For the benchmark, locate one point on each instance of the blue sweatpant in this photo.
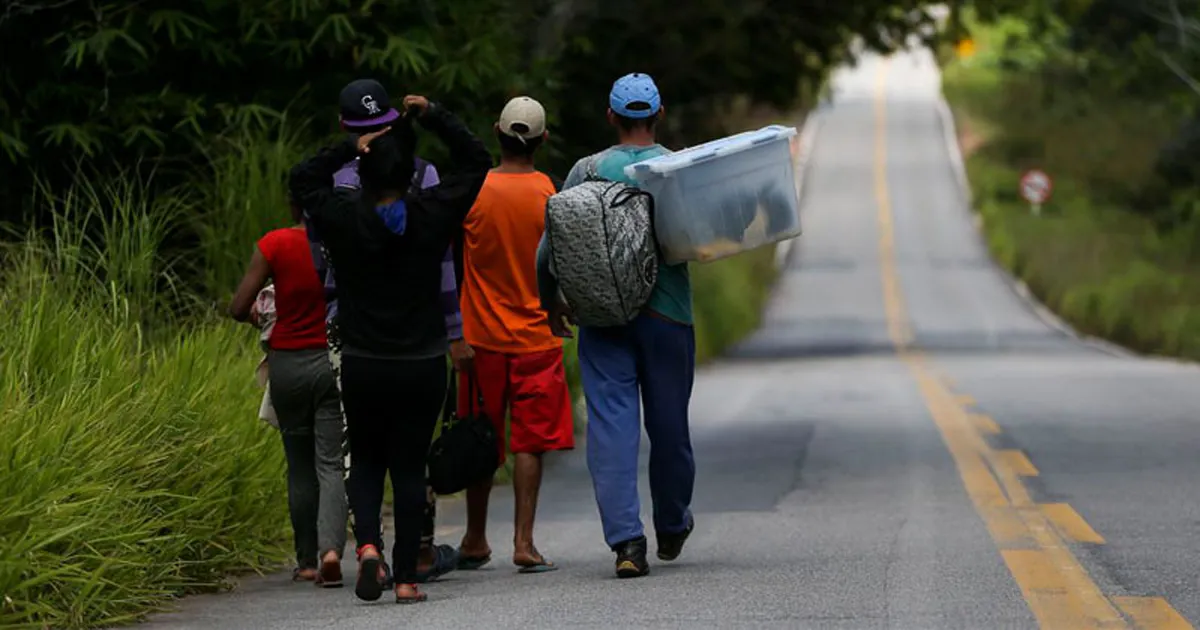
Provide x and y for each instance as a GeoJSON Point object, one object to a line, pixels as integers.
{"type": "Point", "coordinates": [656, 358]}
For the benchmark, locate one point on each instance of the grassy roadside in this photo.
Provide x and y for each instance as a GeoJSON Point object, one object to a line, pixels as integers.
{"type": "Point", "coordinates": [1093, 256]}
{"type": "Point", "coordinates": [132, 467]}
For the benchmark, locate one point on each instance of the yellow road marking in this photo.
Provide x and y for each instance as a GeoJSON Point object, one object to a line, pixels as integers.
{"type": "Point", "coordinates": [893, 300]}
{"type": "Point", "coordinates": [1070, 523]}
{"type": "Point", "coordinates": [1057, 588]}
{"type": "Point", "coordinates": [1041, 584]}
{"type": "Point", "coordinates": [1152, 613]}
{"type": "Point", "coordinates": [985, 424]}
{"type": "Point", "coordinates": [1018, 462]}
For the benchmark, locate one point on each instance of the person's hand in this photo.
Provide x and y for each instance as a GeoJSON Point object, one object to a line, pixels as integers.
{"type": "Point", "coordinates": [364, 141]}
{"type": "Point", "coordinates": [415, 101]}
{"type": "Point", "coordinates": [561, 318]}
{"type": "Point", "coordinates": [462, 355]}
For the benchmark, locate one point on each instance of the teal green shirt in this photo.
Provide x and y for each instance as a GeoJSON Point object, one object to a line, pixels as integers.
{"type": "Point", "coordinates": [672, 296]}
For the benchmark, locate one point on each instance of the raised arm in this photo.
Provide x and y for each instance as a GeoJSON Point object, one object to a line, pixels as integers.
{"type": "Point", "coordinates": [311, 181]}
{"type": "Point", "coordinates": [468, 155]}
{"type": "Point", "coordinates": [450, 200]}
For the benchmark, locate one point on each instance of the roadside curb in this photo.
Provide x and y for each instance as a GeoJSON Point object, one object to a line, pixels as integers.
{"type": "Point", "coordinates": [804, 145]}
{"type": "Point", "coordinates": [1018, 286]}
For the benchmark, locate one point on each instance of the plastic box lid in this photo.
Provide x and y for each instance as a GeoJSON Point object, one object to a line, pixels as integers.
{"type": "Point", "coordinates": [665, 164]}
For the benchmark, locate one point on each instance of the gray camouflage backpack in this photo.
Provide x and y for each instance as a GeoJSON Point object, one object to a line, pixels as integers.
{"type": "Point", "coordinates": [603, 250]}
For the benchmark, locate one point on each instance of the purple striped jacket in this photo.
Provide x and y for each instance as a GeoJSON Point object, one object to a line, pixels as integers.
{"type": "Point", "coordinates": [427, 178]}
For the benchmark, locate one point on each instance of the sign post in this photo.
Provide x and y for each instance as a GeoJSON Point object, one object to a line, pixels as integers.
{"type": "Point", "coordinates": [1036, 187]}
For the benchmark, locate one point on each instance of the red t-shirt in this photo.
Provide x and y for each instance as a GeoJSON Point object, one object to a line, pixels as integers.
{"type": "Point", "coordinates": [299, 296]}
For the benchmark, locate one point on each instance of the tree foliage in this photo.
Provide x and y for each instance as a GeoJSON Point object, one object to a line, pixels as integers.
{"type": "Point", "coordinates": [1138, 59]}
{"type": "Point", "coordinates": [118, 81]}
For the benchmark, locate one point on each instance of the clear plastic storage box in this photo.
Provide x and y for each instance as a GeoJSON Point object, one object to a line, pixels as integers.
{"type": "Point", "coordinates": [723, 197]}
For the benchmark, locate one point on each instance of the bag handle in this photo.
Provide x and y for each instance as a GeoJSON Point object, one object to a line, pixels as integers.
{"type": "Point", "coordinates": [474, 391]}
{"type": "Point", "coordinates": [450, 406]}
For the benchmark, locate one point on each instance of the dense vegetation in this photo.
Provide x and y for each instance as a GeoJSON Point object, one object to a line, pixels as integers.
{"type": "Point", "coordinates": [142, 152]}
{"type": "Point", "coordinates": [1101, 95]}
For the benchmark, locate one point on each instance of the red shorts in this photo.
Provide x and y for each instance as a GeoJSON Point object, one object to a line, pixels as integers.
{"type": "Point", "coordinates": [532, 388]}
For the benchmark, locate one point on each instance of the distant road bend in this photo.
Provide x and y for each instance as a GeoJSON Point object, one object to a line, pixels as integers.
{"type": "Point", "coordinates": [904, 444]}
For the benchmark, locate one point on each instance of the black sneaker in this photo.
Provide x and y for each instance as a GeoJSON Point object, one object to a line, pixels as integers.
{"type": "Point", "coordinates": [631, 558]}
{"type": "Point", "coordinates": [670, 545]}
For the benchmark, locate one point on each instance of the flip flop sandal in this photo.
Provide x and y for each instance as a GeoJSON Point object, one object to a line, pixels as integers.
{"type": "Point", "coordinates": [473, 563]}
{"type": "Point", "coordinates": [330, 575]}
{"type": "Point", "coordinates": [541, 567]}
{"type": "Point", "coordinates": [368, 587]}
{"type": "Point", "coordinates": [445, 560]}
{"type": "Point", "coordinates": [545, 566]}
{"type": "Point", "coordinates": [297, 577]}
{"type": "Point", "coordinates": [416, 598]}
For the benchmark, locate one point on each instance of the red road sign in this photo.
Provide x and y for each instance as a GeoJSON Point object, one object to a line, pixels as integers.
{"type": "Point", "coordinates": [1036, 186]}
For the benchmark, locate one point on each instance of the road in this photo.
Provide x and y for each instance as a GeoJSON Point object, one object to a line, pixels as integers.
{"type": "Point", "coordinates": [905, 443]}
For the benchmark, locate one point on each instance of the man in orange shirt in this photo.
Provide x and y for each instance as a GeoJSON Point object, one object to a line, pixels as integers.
{"type": "Point", "coordinates": [518, 361]}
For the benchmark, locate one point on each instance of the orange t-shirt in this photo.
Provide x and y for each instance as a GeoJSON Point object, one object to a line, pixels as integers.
{"type": "Point", "coordinates": [500, 306]}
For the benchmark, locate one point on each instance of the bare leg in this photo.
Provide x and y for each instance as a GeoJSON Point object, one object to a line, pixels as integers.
{"type": "Point", "coordinates": [474, 542]}
{"type": "Point", "coordinates": [527, 481]}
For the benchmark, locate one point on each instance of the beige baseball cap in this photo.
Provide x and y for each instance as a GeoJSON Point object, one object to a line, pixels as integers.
{"type": "Point", "coordinates": [523, 118]}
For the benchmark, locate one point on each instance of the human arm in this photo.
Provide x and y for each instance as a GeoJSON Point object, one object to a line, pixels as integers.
{"type": "Point", "coordinates": [252, 281]}
{"type": "Point", "coordinates": [546, 282]}
{"type": "Point", "coordinates": [460, 352]}
{"type": "Point", "coordinates": [558, 313]}
{"type": "Point", "coordinates": [447, 203]}
{"type": "Point", "coordinates": [310, 182]}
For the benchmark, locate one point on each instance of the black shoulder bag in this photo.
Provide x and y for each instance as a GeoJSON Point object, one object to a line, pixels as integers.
{"type": "Point", "coordinates": [465, 452]}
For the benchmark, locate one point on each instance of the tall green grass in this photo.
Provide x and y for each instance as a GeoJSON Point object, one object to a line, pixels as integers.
{"type": "Point", "coordinates": [132, 467]}
{"type": "Point", "coordinates": [244, 197]}
{"type": "Point", "coordinates": [728, 299]}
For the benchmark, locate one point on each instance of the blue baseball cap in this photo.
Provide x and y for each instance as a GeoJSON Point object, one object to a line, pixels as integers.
{"type": "Point", "coordinates": [635, 96]}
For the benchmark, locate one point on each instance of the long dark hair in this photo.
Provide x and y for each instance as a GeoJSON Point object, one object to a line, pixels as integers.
{"type": "Point", "coordinates": [388, 167]}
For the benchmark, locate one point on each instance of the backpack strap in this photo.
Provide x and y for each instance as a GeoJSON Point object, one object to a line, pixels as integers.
{"type": "Point", "coordinates": [627, 194]}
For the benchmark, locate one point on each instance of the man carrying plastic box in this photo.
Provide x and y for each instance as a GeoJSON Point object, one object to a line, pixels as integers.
{"type": "Point", "coordinates": [654, 356]}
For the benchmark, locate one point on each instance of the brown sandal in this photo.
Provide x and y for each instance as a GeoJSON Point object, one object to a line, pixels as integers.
{"type": "Point", "coordinates": [330, 573]}
{"type": "Point", "coordinates": [306, 574]}
{"type": "Point", "coordinates": [416, 597]}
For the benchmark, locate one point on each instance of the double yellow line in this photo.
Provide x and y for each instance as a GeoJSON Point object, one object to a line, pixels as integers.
{"type": "Point", "coordinates": [1033, 539]}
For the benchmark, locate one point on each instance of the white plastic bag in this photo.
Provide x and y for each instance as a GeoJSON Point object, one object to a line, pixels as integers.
{"type": "Point", "coordinates": [264, 307]}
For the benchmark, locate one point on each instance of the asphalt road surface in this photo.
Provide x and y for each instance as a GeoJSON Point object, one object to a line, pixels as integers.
{"type": "Point", "coordinates": [905, 443]}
